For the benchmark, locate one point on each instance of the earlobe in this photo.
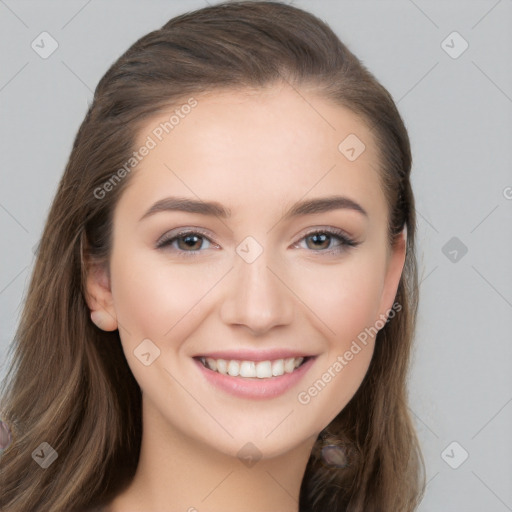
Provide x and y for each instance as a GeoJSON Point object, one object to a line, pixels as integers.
{"type": "Point", "coordinates": [394, 273]}
{"type": "Point", "coordinates": [99, 298]}
{"type": "Point", "coordinates": [103, 320]}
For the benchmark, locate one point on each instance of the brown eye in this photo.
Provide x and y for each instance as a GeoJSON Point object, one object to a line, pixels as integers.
{"type": "Point", "coordinates": [186, 243]}
{"type": "Point", "coordinates": [319, 241]}
{"type": "Point", "coordinates": [189, 242]}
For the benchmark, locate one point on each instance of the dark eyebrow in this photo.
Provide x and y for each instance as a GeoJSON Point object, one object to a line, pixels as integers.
{"type": "Point", "coordinates": [213, 208]}
{"type": "Point", "coordinates": [323, 204]}
{"type": "Point", "coordinates": [188, 205]}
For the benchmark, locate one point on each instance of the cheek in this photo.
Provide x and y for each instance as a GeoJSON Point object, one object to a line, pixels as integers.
{"type": "Point", "coordinates": [344, 297]}
{"type": "Point", "coordinates": [158, 300]}
{"type": "Point", "coordinates": [345, 300]}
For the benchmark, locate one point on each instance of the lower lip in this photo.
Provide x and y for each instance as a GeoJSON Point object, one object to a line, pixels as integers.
{"type": "Point", "coordinates": [255, 388]}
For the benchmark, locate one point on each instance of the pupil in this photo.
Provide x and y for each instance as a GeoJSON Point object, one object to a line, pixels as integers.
{"type": "Point", "coordinates": [190, 240]}
{"type": "Point", "coordinates": [321, 238]}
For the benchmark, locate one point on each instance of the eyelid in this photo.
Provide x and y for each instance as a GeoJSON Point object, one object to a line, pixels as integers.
{"type": "Point", "coordinates": [346, 240]}
{"type": "Point", "coordinates": [329, 230]}
{"type": "Point", "coordinates": [179, 232]}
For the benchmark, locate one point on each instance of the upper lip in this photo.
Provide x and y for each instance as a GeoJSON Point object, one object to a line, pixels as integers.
{"type": "Point", "coordinates": [254, 355]}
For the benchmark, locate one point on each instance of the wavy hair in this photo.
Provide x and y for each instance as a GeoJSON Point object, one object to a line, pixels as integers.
{"type": "Point", "coordinates": [69, 384]}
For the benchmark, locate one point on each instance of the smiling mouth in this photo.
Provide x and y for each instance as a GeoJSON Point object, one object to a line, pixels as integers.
{"type": "Point", "coordinates": [253, 369]}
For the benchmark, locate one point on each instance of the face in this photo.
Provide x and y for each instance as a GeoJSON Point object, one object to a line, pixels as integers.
{"type": "Point", "coordinates": [227, 252]}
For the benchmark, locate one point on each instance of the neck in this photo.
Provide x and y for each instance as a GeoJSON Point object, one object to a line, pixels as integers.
{"type": "Point", "coordinates": [178, 473]}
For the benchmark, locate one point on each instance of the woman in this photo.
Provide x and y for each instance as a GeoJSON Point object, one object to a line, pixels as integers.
{"type": "Point", "coordinates": [222, 308]}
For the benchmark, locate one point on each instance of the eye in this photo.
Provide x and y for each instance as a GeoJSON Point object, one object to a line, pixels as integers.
{"type": "Point", "coordinates": [192, 242]}
{"type": "Point", "coordinates": [328, 241]}
{"type": "Point", "coordinates": [186, 243]}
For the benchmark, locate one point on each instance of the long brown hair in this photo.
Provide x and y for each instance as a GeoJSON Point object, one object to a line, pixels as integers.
{"type": "Point", "coordinates": [69, 384]}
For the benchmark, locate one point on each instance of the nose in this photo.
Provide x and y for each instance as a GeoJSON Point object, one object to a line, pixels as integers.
{"type": "Point", "coordinates": [257, 296]}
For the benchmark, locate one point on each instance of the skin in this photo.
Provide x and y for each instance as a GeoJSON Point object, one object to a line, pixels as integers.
{"type": "Point", "coordinates": [256, 153]}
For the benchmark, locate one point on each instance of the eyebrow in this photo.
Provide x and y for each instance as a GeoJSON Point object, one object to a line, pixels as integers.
{"type": "Point", "coordinates": [185, 204]}
{"type": "Point", "coordinates": [324, 204]}
{"type": "Point", "coordinates": [212, 208]}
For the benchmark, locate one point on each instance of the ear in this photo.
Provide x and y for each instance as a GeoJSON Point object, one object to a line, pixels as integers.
{"type": "Point", "coordinates": [99, 297]}
{"type": "Point", "coordinates": [394, 270]}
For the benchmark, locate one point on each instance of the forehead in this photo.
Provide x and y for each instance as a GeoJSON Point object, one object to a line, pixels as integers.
{"type": "Point", "coordinates": [275, 144]}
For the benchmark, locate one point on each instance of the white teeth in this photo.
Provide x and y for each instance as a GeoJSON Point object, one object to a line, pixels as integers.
{"type": "Point", "coordinates": [247, 369]}
{"type": "Point", "coordinates": [211, 363]}
{"type": "Point", "coordinates": [222, 366]}
{"type": "Point", "coordinates": [264, 370]}
{"type": "Point", "coordinates": [233, 368]}
{"type": "Point", "coordinates": [278, 367]}
{"type": "Point", "coordinates": [289, 365]}
{"type": "Point", "coordinates": [252, 369]}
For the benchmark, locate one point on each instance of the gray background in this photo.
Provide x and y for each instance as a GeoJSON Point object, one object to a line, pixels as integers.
{"type": "Point", "coordinates": [458, 112]}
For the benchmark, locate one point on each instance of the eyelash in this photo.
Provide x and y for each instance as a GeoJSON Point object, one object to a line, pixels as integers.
{"type": "Point", "coordinates": [345, 241]}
